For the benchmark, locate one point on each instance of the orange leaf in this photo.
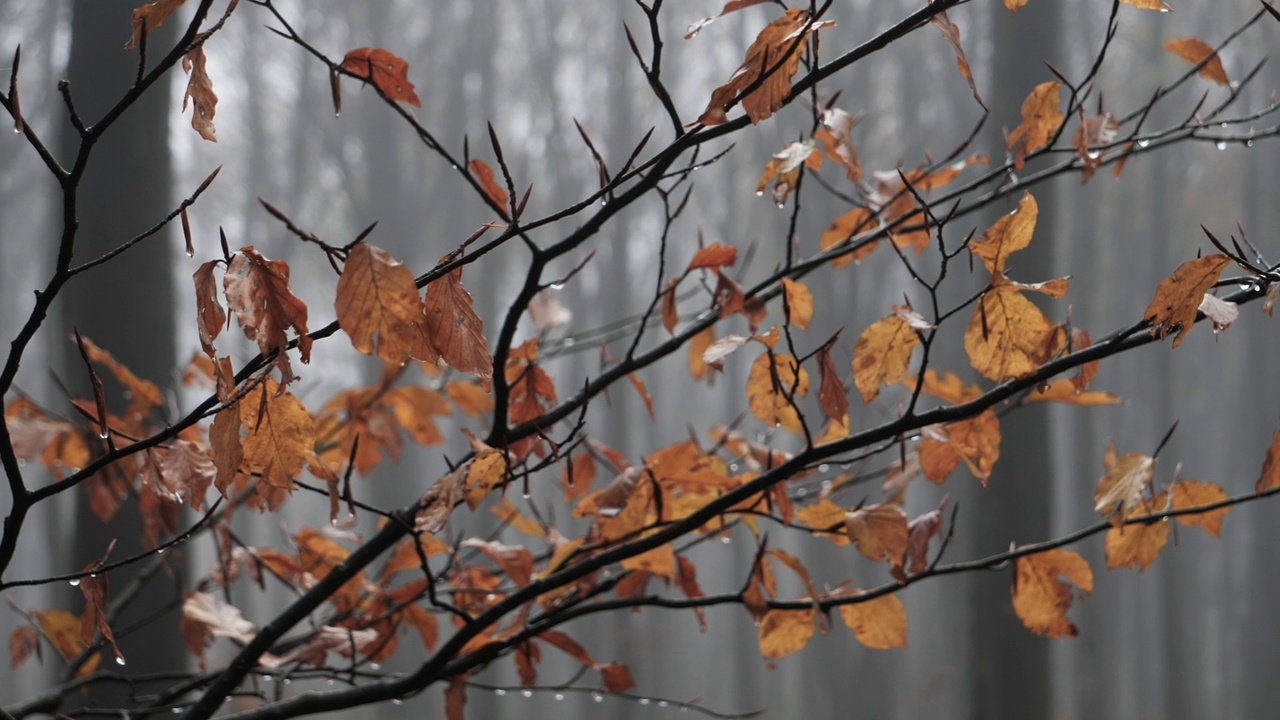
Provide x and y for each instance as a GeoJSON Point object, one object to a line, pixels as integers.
{"type": "Point", "coordinates": [1120, 488]}
{"type": "Point", "coordinates": [836, 136]}
{"type": "Point", "coordinates": [951, 33]}
{"type": "Point", "coordinates": [783, 170]}
{"type": "Point", "coordinates": [24, 641]}
{"type": "Point", "coordinates": [1195, 493]}
{"type": "Point", "coordinates": [879, 623]}
{"type": "Point", "coordinates": [1007, 334]}
{"type": "Point", "coordinates": [846, 226]}
{"type": "Point", "coordinates": [470, 398]}
{"type": "Point", "coordinates": [94, 617]}
{"type": "Point", "coordinates": [1041, 599]}
{"type": "Point", "coordinates": [948, 387]}
{"type": "Point", "coordinates": [831, 395]}
{"type": "Point", "coordinates": [879, 531]}
{"type": "Point", "coordinates": [799, 302]}
{"type": "Point", "coordinates": [377, 298]}
{"type": "Point", "coordinates": [144, 393]}
{"type": "Point", "coordinates": [1010, 234]}
{"type": "Point", "coordinates": [204, 102]}
{"type": "Point", "coordinates": [658, 561]}
{"type": "Point", "coordinates": [486, 471]}
{"type": "Point", "coordinates": [731, 6]}
{"type": "Point", "coordinates": [224, 437]}
{"type": "Point", "coordinates": [455, 330]}
{"type": "Point", "coordinates": [151, 16]}
{"type": "Point", "coordinates": [1136, 546]}
{"type": "Point", "coordinates": [714, 255]}
{"type": "Point", "coordinates": [1178, 297]}
{"type": "Point", "coordinates": [1146, 5]}
{"type": "Point", "coordinates": [1196, 51]}
{"type": "Point", "coordinates": [1270, 476]}
{"type": "Point", "coordinates": [496, 193]}
{"type": "Point", "coordinates": [281, 436]}
{"type": "Point", "coordinates": [976, 441]}
{"type": "Point", "coordinates": [882, 354]}
{"type": "Point", "coordinates": [455, 698]}
{"type": "Point", "coordinates": [921, 530]}
{"type": "Point", "coordinates": [775, 380]}
{"type": "Point", "coordinates": [1065, 390]}
{"type": "Point", "coordinates": [776, 51]}
{"type": "Point", "coordinates": [670, 313]}
{"type": "Point", "coordinates": [258, 293]}
{"type": "Point", "coordinates": [824, 515]}
{"type": "Point", "coordinates": [616, 676]}
{"type": "Point", "coordinates": [210, 317]}
{"type": "Point", "coordinates": [63, 631]}
{"type": "Point", "coordinates": [387, 72]}
{"type": "Point", "coordinates": [783, 632]}
{"type": "Point", "coordinates": [1041, 119]}
{"type": "Point", "coordinates": [698, 345]}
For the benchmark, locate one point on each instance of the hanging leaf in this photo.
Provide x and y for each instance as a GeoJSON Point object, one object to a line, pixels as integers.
{"type": "Point", "coordinates": [799, 302]}
{"type": "Point", "coordinates": [387, 72]}
{"type": "Point", "coordinates": [455, 330]}
{"type": "Point", "coordinates": [882, 354]}
{"type": "Point", "coordinates": [783, 632]}
{"type": "Point", "coordinates": [1178, 298]}
{"type": "Point", "coordinates": [1121, 487]}
{"type": "Point", "coordinates": [1195, 51]}
{"type": "Point", "coordinates": [258, 293]}
{"type": "Point", "coordinates": [846, 226]}
{"type": "Point", "coordinates": [731, 6]}
{"type": "Point", "coordinates": [975, 441]}
{"type": "Point", "coordinates": [951, 33]}
{"type": "Point", "coordinates": [774, 382]}
{"type": "Point", "coordinates": [879, 531]}
{"type": "Point", "coordinates": [1041, 118]}
{"type": "Point", "coordinates": [1136, 546]}
{"type": "Point", "coordinates": [379, 308]}
{"type": "Point", "coordinates": [280, 436]}
{"type": "Point", "coordinates": [150, 17]}
{"type": "Point", "coordinates": [489, 182]}
{"type": "Point", "coordinates": [1041, 599]}
{"type": "Point", "coordinates": [204, 102]}
{"type": "Point", "coordinates": [879, 623]}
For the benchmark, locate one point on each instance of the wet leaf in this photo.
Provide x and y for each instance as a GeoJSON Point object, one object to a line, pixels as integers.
{"type": "Point", "coordinates": [882, 354]}
{"type": "Point", "coordinates": [1041, 599]}
{"type": "Point", "coordinates": [1178, 298]}
{"type": "Point", "coordinates": [783, 632]}
{"type": "Point", "coordinates": [1041, 118]}
{"type": "Point", "coordinates": [455, 329]}
{"type": "Point", "coordinates": [1121, 487]}
{"type": "Point", "coordinates": [389, 73]}
{"type": "Point", "coordinates": [1195, 51]}
{"type": "Point", "coordinates": [880, 623]}
{"type": "Point", "coordinates": [379, 308]}
{"type": "Point", "coordinates": [204, 102]}
{"type": "Point", "coordinates": [775, 381]}
{"type": "Point", "coordinates": [258, 293]}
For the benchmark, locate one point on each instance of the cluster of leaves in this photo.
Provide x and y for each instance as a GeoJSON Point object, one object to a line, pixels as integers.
{"type": "Point", "coordinates": [633, 525]}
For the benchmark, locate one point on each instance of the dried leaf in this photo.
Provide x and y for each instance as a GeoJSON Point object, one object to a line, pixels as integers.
{"type": "Point", "coordinates": [379, 309]}
{"type": "Point", "coordinates": [210, 317]}
{"type": "Point", "coordinates": [831, 394]}
{"type": "Point", "coordinates": [836, 136]}
{"type": "Point", "coordinates": [1120, 488]}
{"type": "Point", "coordinates": [799, 302]}
{"type": "Point", "coordinates": [879, 623]}
{"type": "Point", "coordinates": [1195, 51]}
{"type": "Point", "coordinates": [1197, 493]}
{"type": "Point", "coordinates": [616, 676]}
{"type": "Point", "coordinates": [1178, 297]}
{"type": "Point", "coordinates": [846, 226]}
{"type": "Point", "coordinates": [151, 16]}
{"type": "Point", "coordinates": [204, 102]}
{"type": "Point", "coordinates": [281, 436]}
{"type": "Point", "coordinates": [470, 398]}
{"type": "Point", "coordinates": [731, 6]}
{"type": "Point", "coordinates": [1136, 546]}
{"type": "Point", "coordinates": [1157, 5]}
{"type": "Point", "coordinates": [951, 33]}
{"type": "Point", "coordinates": [258, 293]}
{"type": "Point", "coordinates": [455, 330]}
{"type": "Point", "coordinates": [1007, 334]}
{"type": "Point", "coordinates": [1041, 599]}
{"type": "Point", "coordinates": [714, 255]}
{"type": "Point", "coordinates": [882, 354]}
{"type": "Point", "coordinates": [776, 379]}
{"type": "Point", "coordinates": [1010, 234]}
{"type": "Point", "coordinates": [975, 441]}
{"type": "Point", "coordinates": [1041, 118]}
{"type": "Point", "coordinates": [783, 632]}
{"type": "Point", "coordinates": [1065, 390]}
{"type": "Point", "coordinates": [698, 345]}
{"type": "Point", "coordinates": [387, 72]}
{"type": "Point", "coordinates": [221, 619]}
{"type": "Point", "coordinates": [1270, 476]}
{"type": "Point", "coordinates": [879, 531]}
{"type": "Point", "coordinates": [1220, 312]}
{"type": "Point", "coordinates": [489, 182]}
{"type": "Point", "coordinates": [783, 170]}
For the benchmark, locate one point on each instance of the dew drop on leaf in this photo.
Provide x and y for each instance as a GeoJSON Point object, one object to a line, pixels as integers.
{"type": "Point", "coordinates": [74, 582]}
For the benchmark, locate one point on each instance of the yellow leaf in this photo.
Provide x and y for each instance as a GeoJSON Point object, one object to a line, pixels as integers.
{"type": "Point", "coordinates": [882, 354]}
{"type": "Point", "coordinates": [799, 302]}
{"type": "Point", "coordinates": [880, 623]}
{"type": "Point", "coordinates": [775, 380]}
{"type": "Point", "coordinates": [281, 435]}
{"type": "Point", "coordinates": [824, 515]}
{"type": "Point", "coordinates": [659, 561]}
{"type": "Point", "coordinates": [846, 226]}
{"type": "Point", "coordinates": [976, 441]}
{"type": "Point", "coordinates": [1040, 598]}
{"type": "Point", "coordinates": [1178, 297]}
{"type": "Point", "coordinates": [1146, 5]}
{"type": "Point", "coordinates": [488, 470]}
{"type": "Point", "coordinates": [783, 632]}
{"type": "Point", "coordinates": [1065, 390]}
{"type": "Point", "coordinates": [1010, 234]}
{"type": "Point", "coordinates": [1041, 118]}
{"type": "Point", "coordinates": [1007, 334]}
{"type": "Point", "coordinates": [1195, 493]}
{"type": "Point", "coordinates": [879, 531]}
{"type": "Point", "coordinates": [1137, 545]}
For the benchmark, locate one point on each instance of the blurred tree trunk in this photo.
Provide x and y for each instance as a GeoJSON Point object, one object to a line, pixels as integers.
{"type": "Point", "coordinates": [125, 306]}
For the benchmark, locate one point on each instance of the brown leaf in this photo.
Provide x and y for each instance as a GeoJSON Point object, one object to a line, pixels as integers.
{"type": "Point", "coordinates": [1196, 493]}
{"type": "Point", "coordinates": [1007, 334]}
{"type": "Point", "coordinates": [846, 226]}
{"type": "Point", "coordinates": [1065, 390]}
{"type": "Point", "coordinates": [1136, 546]}
{"type": "Point", "coordinates": [616, 676]}
{"type": "Point", "coordinates": [670, 313]}
{"type": "Point", "coordinates": [1041, 118]}
{"type": "Point", "coordinates": [836, 136]}
{"type": "Point", "coordinates": [882, 354]}
{"type": "Point", "coordinates": [63, 631]}
{"type": "Point", "coordinates": [975, 441]}
{"type": "Point", "coordinates": [687, 581]}
{"type": "Point", "coordinates": [880, 623]}
{"type": "Point", "coordinates": [1178, 297]}
{"type": "Point", "coordinates": [783, 632]}
{"type": "Point", "coordinates": [221, 619]}
{"type": "Point", "coordinates": [1094, 134]}
{"type": "Point", "coordinates": [23, 643]}
{"type": "Point", "coordinates": [731, 6]}
{"type": "Point", "coordinates": [951, 33]}
{"type": "Point", "coordinates": [714, 255]}
{"type": "Point", "coordinates": [437, 505]}
{"type": "Point", "coordinates": [698, 346]}
{"type": "Point", "coordinates": [1157, 5]}
{"type": "Point", "coordinates": [258, 293]}
{"type": "Point", "coordinates": [775, 380]}
{"type": "Point", "coordinates": [1041, 599]}
{"type": "Point", "coordinates": [210, 317]}
{"type": "Point", "coordinates": [1010, 234]}
{"type": "Point", "coordinates": [879, 531]}
{"type": "Point", "coordinates": [920, 532]}
{"type": "Point", "coordinates": [204, 102]}
{"type": "Point", "coordinates": [470, 398]}
{"type": "Point", "coordinates": [388, 73]}
{"type": "Point", "coordinates": [799, 302]}
{"type": "Point", "coordinates": [455, 698]}
{"type": "Point", "coordinates": [489, 182]}
{"type": "Point", "coordinates": [776, 51]}
{"type": "Point", "coordinates": [1270, 476]}
{"type": "Point", "coordinates": [281, 436]}
{"type": "Point", "coordinates": [455, 330]}
{"type": "Point", "coordinates": [1120, 488]}
{"type": "Point", "coordinates": [151, 16]}
{"type": "Point", "coordinates": [94, 618]}
{"type": "Point", "coordinates": [144, 395]}
{"type": "Point", "coordinates": [1196, 51]}
{"type": "Point", "coordinates": [831, 395]}
{"type": "Point", "coordinates": [783, 170]}
{"type": "Point", "coordinates": [379, 308]}
{"type": "Point", "coordinates": [228, 453]}
{"type": "Point", "coordinates": [486, 471]}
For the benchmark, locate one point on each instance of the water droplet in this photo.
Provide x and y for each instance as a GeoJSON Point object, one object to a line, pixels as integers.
{"type": "Point", "coordinates": [375, 666]}
{"type": "Point", "coordinates": [93, 575]}
{"type": "Point", "coordinates": [1221, 144]}
{"type": "Point", "coordinates": [780, 205]}
{"type": "Point", "coordinates": [267, 678]}
{"type": "Point", "coordinates": [526, 494]}
{"type": "Point", "coordinates": [606, 573]}
{"type": "Point", "coordinates": [801, 492]}
{"type": "Point", "coordinates": [663, 703]}
{"type": "Point", "coordinates": [1144, 143]}
{"type": "Point", "coordinates": [1164, 9]}
{"type": "Point", "coordinates": [74, 582]}
{"type": "Point", "coordinates": [597, 697]}
{"type": "Point", "coordinates": [733, 467]}
{"type": "Point", "coordinates": [569, 342]}
{"type": "Point", "coordinates": [759, 193]}
{"type": "Point", "coordinates": [1094, 155]}
{"type": "Point", "coordinates": [329, 681]}
{"type": "Point", "coordinates": [160, 550]}
{"type": "Point", "coordinates": [104, 433]}
{"type": "Point", "coordinates": [119, 660]}
{"type": "Point", "coordinates": [176, 711]}
{"type": "Point", "coordinates": [455, 167]}
{"type": "Point", "coordinates": [397, 701]}
{"type": "Point", "coordinates": [526, 692]}
{"type": "Point", "coordinates": [490, 597]}
{"type": "Point", "coordinates": [1225, 125]}
{"type": "Point", "coordinates": [191, 252]}
{"type": "Point", "coordinates": [559, 696]}
{"type": "Point", "coordinates": [824, 468]}
{"type": "Point", "coordinates": [1246, 285]}
{"type": "Point", "coordinates": [556, 286]}
{"type": "Point", "coordinates": [726, 540]}
{"type": "Point", "coordinates": [1248, 143]}
{"type": "Point", "coordinates": [604, 201]}
{"type": "Point", "coordinates": [17, 131]}
{"type": "Point", "coordinates": [499, 692]}
{"type": "Point", "coordinates": [644, 701]}
{"type": "Point", "coordinates": [286, 681]}
{"type": "Point", "coordinates": [826, 484]}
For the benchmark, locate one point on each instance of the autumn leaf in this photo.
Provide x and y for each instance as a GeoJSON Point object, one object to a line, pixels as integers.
{"type": "Point", "coordinates": [879, 531]}
{"type": "Point", "coordinates": [1120, 488]}
{"type": "Point", "coordinates": [846, 226]}
{"type": "Point", "coordinates": [210, 317]}
{"type": "Point", "coordinates": [783, 632]}
{"type": "Point", "coordinates": [1178, 298]}
{"type": "Point", "coordinates": [783, 170]}
{"type": "Point", "coordinates": [486, 471]}
{"type": "Point", "coordinates": [470, 398]}
{"type": "Point", "coordinates": [228, 452]}
{"type": "Point", "coordinates": [1270, 476]}
{"type": "Point", "coordinates": [698, 346]}
{"type": "Point", "coordinates": [280, 436]}
{"type": "Point", "coordinates": [455, 330]}
{"type": "Point", "coordinates": [1222, 313]}
{"type": "Point", "coordinates": [455, 698]}
{"type": "Point", "coordinates": [1065, 390]}
{"type": "Point", "coordinates": [731, 6]}
{"type": "Point", "coordinates": [200, 92]}
{"type": "Point", "coordinates": [23, 643]}
{"type": "Point", "coordinates": [975, 441]}
{"type": "Point", "coordinates": [1094, 134]}
{"type": "Point", "coordinates": [1041, 599]}
{"type": "Point", "coordinates": [1196, 51]}
{"type": "Point", "coordinates": [1197, 493]}
{"type": "Point", "coordinates": [831, 394]}
{"type": "Point", "coordinates": [616, 676]}
{"type": "Point", "coordinates": [1157, 5]}
{"type": "Point", "coordinates": [836, 136]}
{"type": "Point", "coordinates": [489, 182]}
{"type": "Point", "coordinates": [882, 354]}
{"type": "Point", "coordinates": [799, 301]}
{"type": "Point", "coordinates": [144, 395]}
{"type": "Point", "coordinates": [775, 56]}
{"type": "Point", "coordinates": [879, 623]}
{"type": "Point", "coordinates": [437, 504]}
{"type": "Point", "coordinates": [63, 632]}
{"type": "Point", "coordinates": [379, 308]}
{"type": "Point", "coordinates": [713, 255]}
{"type": "Point", "coordinates": [150, 17]}
{"type": "Point", "coordinates": [1008, 235]}
{"type": "Point", "coordinates": [1007, 333]}
{"type": "Point", "coordinates": [776, 379]}
{"type": "Point", "coordinates": [1041, 118]}
{"type": "Point", "coordinates": [221, 619]}
{"type": "Point", "coordinates": [258, 293]}
{"type": "Point", "coordinates": [951, 33]}
{"type": "Point", "coordinates": [94, 587]}
{"type": "Point", "coordinates": [948, 386]}
{"type": "Point", "coordinates": [387, 72]}
{"type": "Point", "coordinates": [1136, 545]}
